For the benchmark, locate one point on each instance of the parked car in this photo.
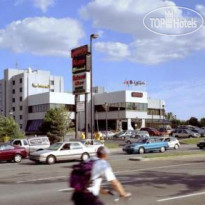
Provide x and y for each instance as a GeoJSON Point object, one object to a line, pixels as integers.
{"type": "Point", "coordinates": [131, 140]}
{"type": "Point", "coordinates": [146, 145]}
{"type": "Point", "coordinates": [92, 143]}
{"type": "Point", "coordinates": [62, 151]}
{"type": "Point", "coordinates": [201, 144]}
{"type": "Point", "coordinates": [151, 131]}
{"type": "Point", "coordinates": [163, 131]}
{"type": "Point", "coordinates": [32, 144]}
{"type": "Point", "coordinates": [107, 134]}
{"type": "Point", "coordinates": [124, 134]}
{"type": "Point", "coordinates": [11, 153]}
{"type": "Point", "coordinates": [183, 133]}
{"type": "Point", "coordinates": [173, 142]}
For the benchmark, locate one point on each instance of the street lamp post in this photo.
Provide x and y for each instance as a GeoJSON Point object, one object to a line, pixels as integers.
{"type": "Point", "coordinates": [92, 36]}
{"type": "Point", "coordinates": [163, 115]}
{"type": "Point", "coordinates": [106, 119]}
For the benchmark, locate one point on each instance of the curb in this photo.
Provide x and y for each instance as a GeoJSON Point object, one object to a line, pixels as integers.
{"type": "Point", "coordinates": [138, 159]}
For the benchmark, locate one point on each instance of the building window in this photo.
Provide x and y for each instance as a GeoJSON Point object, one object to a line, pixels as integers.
{"type": "Point", "coordinates": [52, 82]}
{"type": "Point", "coordinates": [21, 126]}
{"type": "Point", "coordinates": [21, 107]}
{"type": "Point", "coordinates": [21, 117]}
{"type": "Point", "coordinates": [13, 100]}
{"type": "Point", "coordinates": [20, 98]}
{"type": "Point", "coordinates": [20, 80]}
{"type": "Point", "coordinates": [13, 91]}
{"type": "Point", "coordinates": [52, 90]}
{"type": "Point", "coordinates": [153, 111]}
{"type": "Point", "coordinates": [13, 82]}
{"type": "Point", "coordinates": [20, 89]}
{"type": "Point", "coordinates": [13, 109]}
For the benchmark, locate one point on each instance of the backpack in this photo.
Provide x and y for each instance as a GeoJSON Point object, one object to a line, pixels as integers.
{"type": "Point", "coordinates": [80, 175]}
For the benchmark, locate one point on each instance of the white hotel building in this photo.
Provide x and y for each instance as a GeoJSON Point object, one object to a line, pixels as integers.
{"type": "Point", "coordinates": [28, 94]}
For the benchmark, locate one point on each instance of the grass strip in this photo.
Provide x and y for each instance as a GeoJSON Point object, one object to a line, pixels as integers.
{"type": "Point", "coordinates": [191, 140]}
{"type": "Point", "coordinates": [174, 154]}
{"type": "Point", "coordinates": [111, 145]}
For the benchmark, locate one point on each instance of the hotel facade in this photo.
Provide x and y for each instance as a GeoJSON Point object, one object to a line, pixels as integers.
{"type": "Point", "coordinates": [27, 95]}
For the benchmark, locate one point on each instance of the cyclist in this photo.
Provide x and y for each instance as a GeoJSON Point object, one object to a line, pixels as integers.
{"type": "Point", "coordinates": [101, 169]}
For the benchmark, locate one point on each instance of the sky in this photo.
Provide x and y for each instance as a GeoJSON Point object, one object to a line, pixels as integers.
{"type": "Point", "coordinates": [40, 34]}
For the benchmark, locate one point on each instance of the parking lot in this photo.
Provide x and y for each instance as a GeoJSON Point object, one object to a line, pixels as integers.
{"type": "Point", "coordinates": [165, 181]}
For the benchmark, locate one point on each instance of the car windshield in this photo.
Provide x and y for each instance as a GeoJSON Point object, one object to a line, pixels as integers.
{"type": "Point", "coordinates": [141, 140]}
{"type": "Point", "coordinates": [55, 146]}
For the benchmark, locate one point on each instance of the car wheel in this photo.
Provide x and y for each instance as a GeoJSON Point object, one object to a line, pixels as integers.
{"type": "Point", "coordinates": [200, 147]}
{"type": "Point", "coordinates": [51, 159]}
{"type": "Point", "coordinates": [176, 146]}
{"type": "Point", "coordinates": [84, 157]}
{"type": "Point", "coordinates": [190, 136]}
{"type": "Point", "coordinates": [17, 158]}
{"type": "Point", "coordinates": [129, 142]}
{"type": "Point", "coordinates": [176, 136]}
{"type": "Point", "coordinates": [141, 150]}
{"type": "Point", "coordinates": [162, 149]}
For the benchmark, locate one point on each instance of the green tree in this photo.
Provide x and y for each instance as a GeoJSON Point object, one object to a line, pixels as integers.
{"type": "Point", "coordinates": [9, 128]}
{"type": "Point", "coordinates": [202, 122]}
{"type": "Point", "coordinates": [56, 124]}
{"type": "Point", "coordinates": [193, 121]}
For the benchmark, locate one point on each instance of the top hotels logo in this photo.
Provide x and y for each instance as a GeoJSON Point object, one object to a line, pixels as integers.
{"type": "Point", "coordinates": [173, 21]}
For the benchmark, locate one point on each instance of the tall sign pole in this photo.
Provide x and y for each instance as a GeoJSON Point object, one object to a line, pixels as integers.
{"type": "Point", "coordinates": [92, 36]}
{"type": "Point", "coordinates": [81, 79]}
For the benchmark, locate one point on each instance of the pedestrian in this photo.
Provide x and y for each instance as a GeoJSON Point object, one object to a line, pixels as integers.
{"type": "Point", "coordinates": [101, 170]}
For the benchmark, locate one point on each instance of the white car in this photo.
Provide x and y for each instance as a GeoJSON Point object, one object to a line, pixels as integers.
{"type": "Point", "coordinates": [94, 144]}
{"type": "Point", "coordinates": [173, 143]}
{"type": "Point", "coordinates": [62, 151]}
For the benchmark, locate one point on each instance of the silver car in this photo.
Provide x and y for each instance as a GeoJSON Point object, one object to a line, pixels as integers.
{"type": "Point", "coordinates": [62, 151]}
{"type": "Point", "coordinates": [185, 133]}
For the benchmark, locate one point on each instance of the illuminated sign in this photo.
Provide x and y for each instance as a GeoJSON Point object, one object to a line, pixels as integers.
{"type": "Point", "coordinates": [137, 95]}
{"type": "Point", "coordinates": [81, 83]}
{"type": "Point", "coordinates": [80, 51]}
{"type": "Point", "coordinates": [40, 86]}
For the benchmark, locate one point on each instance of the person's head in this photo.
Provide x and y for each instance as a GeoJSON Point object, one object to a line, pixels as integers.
{"type": "Point", "coordinates": [102, 152]}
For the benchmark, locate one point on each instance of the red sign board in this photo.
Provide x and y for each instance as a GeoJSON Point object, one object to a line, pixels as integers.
{"type": "Point", "coordinates": [80, 51]}
{"type": "Point", "coordinates": [137, 95]}
{"type": "Point", "coordinates": [79, 62]}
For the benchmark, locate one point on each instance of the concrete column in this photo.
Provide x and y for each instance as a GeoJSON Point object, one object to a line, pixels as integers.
{"type": "Point", "coordinates": [129, 125]}
{"type": "Point", "coordinates": [143, 123]}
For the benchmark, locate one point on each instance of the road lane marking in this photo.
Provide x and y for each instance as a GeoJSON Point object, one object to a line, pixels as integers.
{"type": "Point", "coordinates": [153, 168]}
{"type": "Point", "coordinates": [180, 197]}
{"type": "Point", "coordinates": [41, 179]}
{"type": "Point", "coordinates": [117, 172]}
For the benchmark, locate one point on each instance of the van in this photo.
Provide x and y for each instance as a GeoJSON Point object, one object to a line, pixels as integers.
{"type": "Point", "coordinates": [32, 144]}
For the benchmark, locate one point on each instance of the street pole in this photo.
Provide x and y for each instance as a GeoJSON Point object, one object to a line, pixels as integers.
{"type": "Point", "coordinates": [76, 117]}
{"type": "Point", "coordinates": [86, 116]}
{"type": "Point", "coordinates": [163, 115]}
{"type": "Point", "coordinates": [106, 118]}
{"type": "Point", "coordinates": [92, 36]}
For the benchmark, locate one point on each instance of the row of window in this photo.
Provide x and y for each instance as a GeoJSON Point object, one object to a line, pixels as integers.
{"type": "Point", "coordinates": [122, 106]}
{"type": "Point", "coordinates": [14, 100]}
{"type": "Point", "coordinates": [20, 81]}
{"type": "Point", "coordinates": [20, 90]}
{"type": "Point", "coordinates": [155, 112]}
{"type": "Point", "coordinates": [46, 107]}
{"type": "Point", "coordinates": [20, 108]}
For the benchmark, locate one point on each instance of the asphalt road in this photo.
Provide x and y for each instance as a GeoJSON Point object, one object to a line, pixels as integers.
{"type": "Point", "coordinates": [179, 181]}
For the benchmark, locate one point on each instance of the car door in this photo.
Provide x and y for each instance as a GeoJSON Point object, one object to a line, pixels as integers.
{"type": "Point", "coordinates": [7, 152]}
{"type": "Point", "coordinates": [64, 153]}
{"type": "Point", "coordinates": [76, 150]}
{"type": "Point", "coordinates": [149, 146]}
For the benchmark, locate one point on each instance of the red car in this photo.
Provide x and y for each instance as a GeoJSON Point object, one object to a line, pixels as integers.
{"type": "Point", "coordinates": [151, 131]}
{"type": "Point", "coordinates": [12, 153]}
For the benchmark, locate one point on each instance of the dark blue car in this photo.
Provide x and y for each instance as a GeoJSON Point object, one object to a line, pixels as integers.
{"type": "Point", "coordinates": [146, 145]}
